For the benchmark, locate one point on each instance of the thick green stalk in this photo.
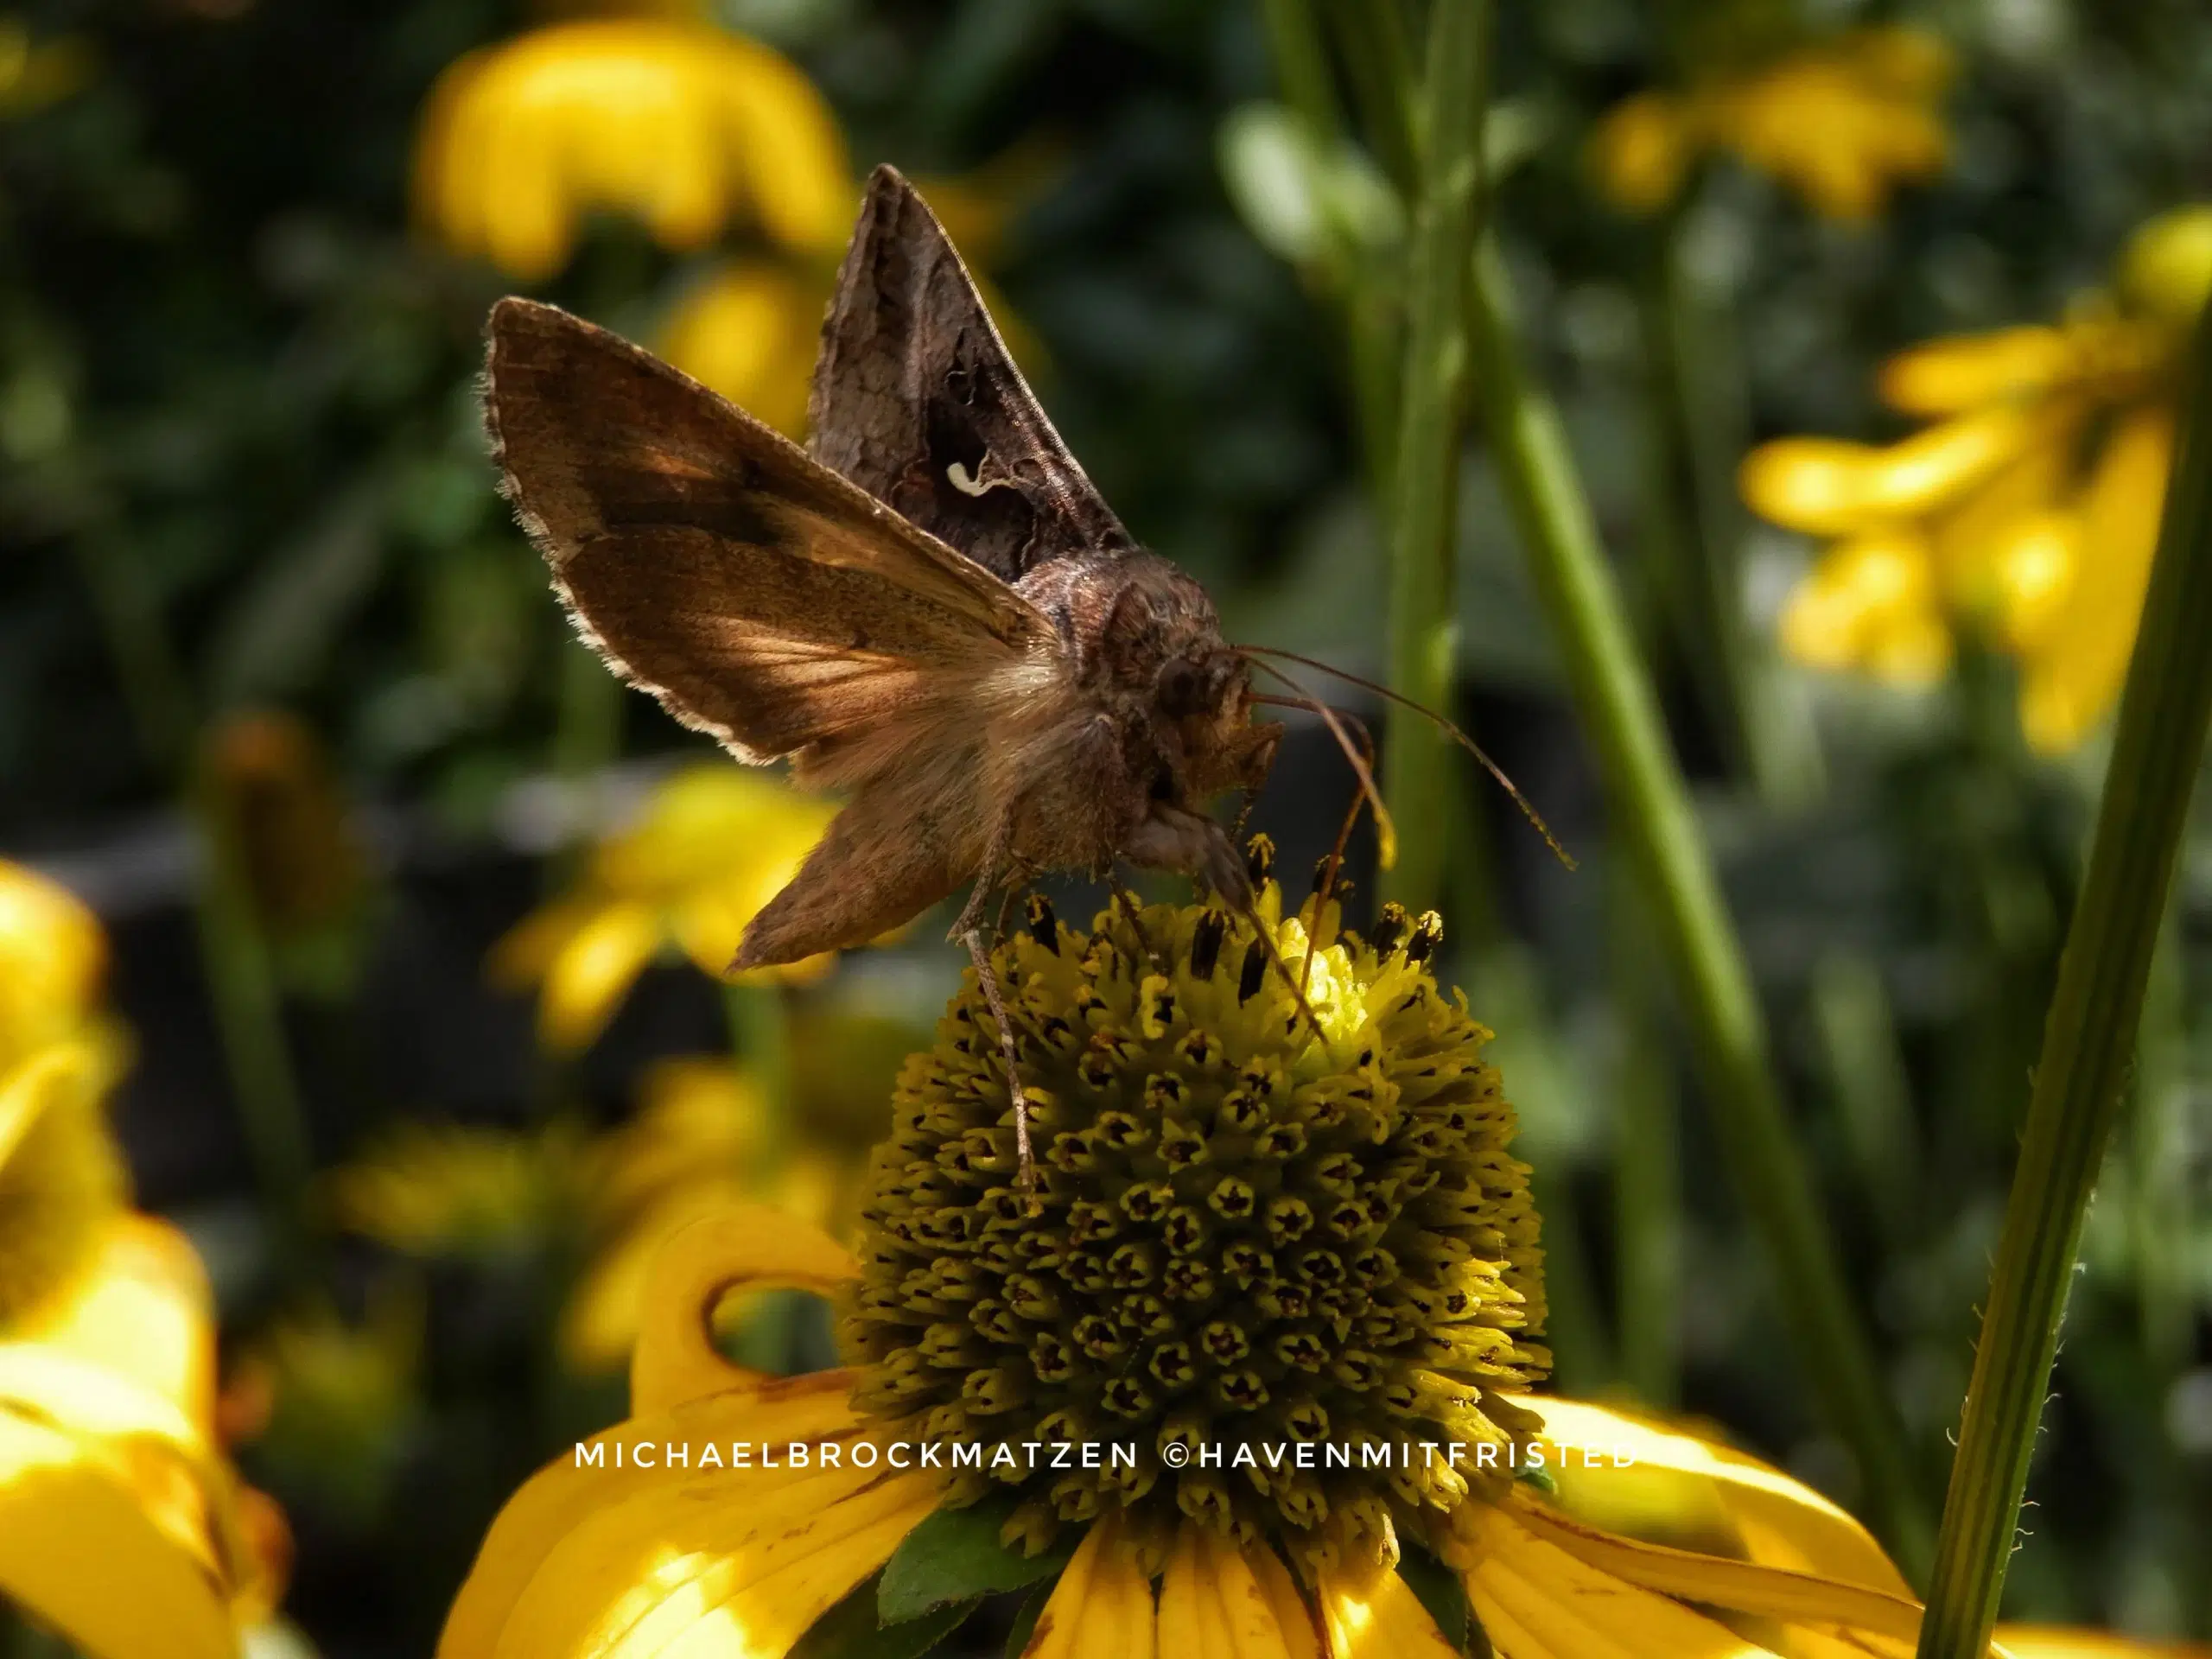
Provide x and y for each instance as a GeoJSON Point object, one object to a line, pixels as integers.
{"type": "Point", "coordinates": [1425, 484]}
{"type": "Point", "coordinates": [2089, 1044]}
{"type": "Point", "coordinates": [1650, 805]}
{"type": "Point", "coordinates": [1647, 1160]}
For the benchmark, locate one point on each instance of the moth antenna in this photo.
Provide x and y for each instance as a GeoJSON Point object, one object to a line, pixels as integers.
{"type": "Point", "coordinates": [1386, 831]}
{"type": "Point", "coordinates": [1443, 725]}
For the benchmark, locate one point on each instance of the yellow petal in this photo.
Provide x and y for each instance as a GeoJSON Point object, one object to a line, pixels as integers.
{"type": "Point", "coordinates": [1102, 1608]}
{"type": "Point", "coordinates": [1870, 604]}
{"type": "Point", "coordinates": [557, 1499]}
{"type": "Point", "coordinates": [713, 1564]}
{"type": "Point", "coordinates": [1537, 1600]}
{"type": "Point", "coordinates": [52, 957]}
{"type": "Point", "coordinates": [145, 1315]}
{"type": "Point", "coordinates": [750, 1249]}
{"type": "Point", "coordinates": [592, 973]}
{"type": "Point", "coordinates": [2075, 679]}
{"type": "Point", "coordinates": [81, 1552]}
{"type": "Point", "coordinates": [1948, 376]}
{"type": "Point", "coordinates": [598, 1326]}
{"type": "Point", "coordinates": [796, 169]}
{"type": "Point", "coordinates": [1779, 1522]}
{"type": "Point", "coordinates": [1827, 486]}
{"type": "Point", "coordinates": [1214, 1604]}
{"type": "Point", "coordinates": [2033, 568]}
{"type": "Point", "coordinates": [1641, 151]}
{"type": "Point", "coordinates": [2167, 268]}
{"type": "Point", "coordinates": [1771, 1592]}
{"type": "Point", "coordinates": [741, 332]}
{"type": "Point", "coordinates": [1369, 1612]}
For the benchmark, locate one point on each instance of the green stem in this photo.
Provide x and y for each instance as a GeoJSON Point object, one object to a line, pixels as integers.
{"type": "Point", "coordinates": [1425, 486]}
{"type": "Point", "coordinates": [1858, 1037]}
{"type": "Point", "coordinates": [2160, 1159]}
{"type": "Point", "coordinates": [249, 1014]}
{"type": "Point", "coordinates": [1650, 804]}
{"type": "Point", "coordinates": [2089, 1039]}
{"type": "Point", "coordinates": [761, 1035]}
{"type": "Point", "coordinates": [1647, 1163]}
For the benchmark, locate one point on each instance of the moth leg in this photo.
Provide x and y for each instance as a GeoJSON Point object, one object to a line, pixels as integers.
{"type": "Point", "coordinates": [968, 931]}
{"type": "Point", "coordinates": [1026, 1180]}
{"type": "Point", "coordinates": [1135, 912]}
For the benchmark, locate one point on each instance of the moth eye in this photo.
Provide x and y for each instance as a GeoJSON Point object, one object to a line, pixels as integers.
{"type": "Point", "coordinates": [1180, 690]}
{"type": "Point", "coordinates": [1163, 783]}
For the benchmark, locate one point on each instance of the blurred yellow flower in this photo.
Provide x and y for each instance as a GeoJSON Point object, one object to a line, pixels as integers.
{"type": "Point", "coordinates": [2028, 509]}
{"type": "Point", "coordinates": [2059, 1642]}
{"type": "Point", "coordinates": [680, 124]}
{"type": "Point", "coordinates": [750, 331]}
{"type": "Point", "coordinates": [35, 74]}
{"type": "Point", "coordinates": [334, 1401]}
{"type": "Point", "coordinates": [1841, 122]}
{"type": "Point", "coordinates": [62, 1182]}
{"type": "Point", "coordinates": [110, 1478]}
{"type": "Point", "coordinates": [704, 1138]}
{"type": "Point", "coordinates": [457, 1189]}
{"type": "Point", "coordinates": [714, 845]}
{"type": "Point", "coordinates": [52, 959]}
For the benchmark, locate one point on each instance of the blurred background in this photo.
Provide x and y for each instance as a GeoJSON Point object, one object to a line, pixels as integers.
{"type": "Point", "coordinates": [1863, 321]}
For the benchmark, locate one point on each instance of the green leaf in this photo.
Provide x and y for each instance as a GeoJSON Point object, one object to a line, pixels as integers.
{"type": "Point", "coordinates": [1438, 1589]}
{"type": "Point", "coordinates": [1025, 1621]}
{"type": "Point", "coordinates": [849, 1630]}
{"type": "Point", "coordinates": [955, 1555]}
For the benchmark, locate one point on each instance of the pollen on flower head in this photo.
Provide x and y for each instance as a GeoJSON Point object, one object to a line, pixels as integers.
{"type": "Point", "coordinates": [1247, 1233]}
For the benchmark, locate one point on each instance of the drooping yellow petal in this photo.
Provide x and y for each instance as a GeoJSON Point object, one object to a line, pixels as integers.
{"type": "Point", "coordinates": [600, 1323]}
{"type": "Point", "coordinates": [1102, 1608]}
{"type": "Point", "coordinates": [62, 1180]}
{"type": "Point", "coordinates": [52, 957]}
{"type": "Point", "coordinates": [1215, 1605]}
{"type": "Point", "coordinates": [1949, 377]}
{"type": "Point", "coordinates": [1538, 1601]}
{"type": "Point", "coordinates": [1616, 1467]}
{"type": "Point", "coordinates": [749, 1249]}
{"type": "Point", "coordinates": [2166, 269]}
{"type": "Point", "coordinates": [1871, 603]}
{"type": "Point", "coordinates": [2075, 679]}
{"type": "Point", "coordinates": [2034, 565]}
{"type": "Point", "coordinates": [1369, 1612]}
{"type": "Point", "coordinates": [1773, 1592]}
{"type": "Point", "coordinates": [84, 1553]}
{"type": "Point", "coordinates": [750, 333]}
{"type": "Point", "coordinates": [592, 973]}
{"type": "Point", "coordinates": [145, 1315]}
{"type": "Point", "coordinates": [558, 1498]}
{"type": "Point", "coordinates": [1829, 486]}
{"type": "Point", "coordinates": [712, 1555]}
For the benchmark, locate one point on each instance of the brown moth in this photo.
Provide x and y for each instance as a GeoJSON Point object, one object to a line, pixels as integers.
{"type": "Point", "coordinates": [931, 608]}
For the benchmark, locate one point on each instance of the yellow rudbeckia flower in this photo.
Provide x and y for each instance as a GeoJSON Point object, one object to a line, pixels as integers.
{"type": "Point", "coordinates": [1841, 122]}
{"type": "Point", "coordinates": [110, 1476]}
{"type": "Point", "coordinates": [52, 956]}
{"type": "Point", "coordinates": [2027, 509]}
{"type": "Point", "coordinates": [713, 846]}
{"type": "Point", "coordinates": [677, 124]}
{"type": "Point", "coordinates": [1246, 1234]}
{"type": "Point", "coordinates": [704, 1139]}
{"type": "Point", "coordinates": [2061, 1642]}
